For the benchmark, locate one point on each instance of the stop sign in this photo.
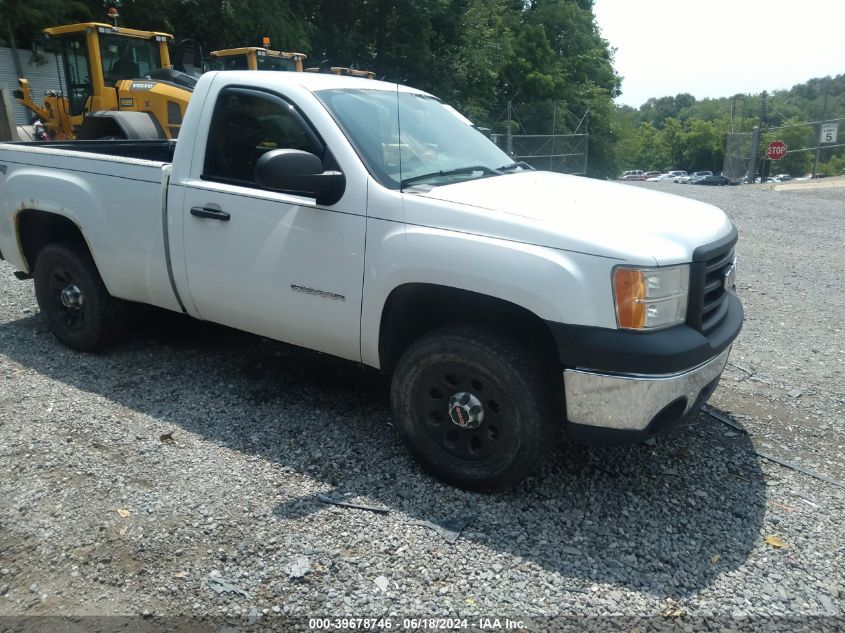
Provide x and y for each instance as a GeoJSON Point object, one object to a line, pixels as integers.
{"type": "Point", "coordinates": [775, 150]}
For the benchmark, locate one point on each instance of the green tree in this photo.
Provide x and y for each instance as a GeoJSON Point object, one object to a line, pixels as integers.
{"type": "Point", "coordinates": [487, 44]}
{"type": "Point", "coordinates": [704, 146]}
{"type": "Point", "coordinates": [653, 151]}
{"type": "Point", "coordinates": [23, 20]}
{"type": "Point", "coordinates": [673, 137]}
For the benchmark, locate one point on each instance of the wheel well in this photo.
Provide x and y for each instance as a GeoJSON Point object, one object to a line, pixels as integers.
{"type": "Point", "coordinates": [100, 127]}
{"type": "Point", "coordinates": [120, 124]}
{"type": "Point", "coordinates": [413, 310]}
{"type": "Point", "coordinates": [37, 229]}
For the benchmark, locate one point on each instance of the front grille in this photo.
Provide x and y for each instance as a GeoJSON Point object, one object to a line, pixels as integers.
{"type": "Point", "coordinates": [708, 296]}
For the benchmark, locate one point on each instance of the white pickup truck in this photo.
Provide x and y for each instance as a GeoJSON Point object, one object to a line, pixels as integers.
{"type": "Point", "coordinates": [372, 222]}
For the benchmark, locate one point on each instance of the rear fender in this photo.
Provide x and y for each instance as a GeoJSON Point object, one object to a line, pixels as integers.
{"type": "Point", "coordinates": [65, 193]}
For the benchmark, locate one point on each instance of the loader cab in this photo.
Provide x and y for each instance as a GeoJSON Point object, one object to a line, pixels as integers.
{"type": "Point", "coordinates": [96, 56]}
{"type": "Point", "coordinates": [256, 58]}
{"type": "Point", "coordinates": [127, 58]}
{"type": "Point", "coordinates": [119, 84]}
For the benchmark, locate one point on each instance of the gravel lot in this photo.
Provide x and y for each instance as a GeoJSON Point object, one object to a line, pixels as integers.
{"type": "Point", "coordinates": [176, 474]}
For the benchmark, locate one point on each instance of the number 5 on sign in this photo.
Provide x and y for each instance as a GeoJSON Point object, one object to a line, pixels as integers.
{"type": "Point", "coordinates": [829, 132]}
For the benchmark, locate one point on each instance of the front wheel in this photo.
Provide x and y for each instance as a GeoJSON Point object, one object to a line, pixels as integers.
{"type": "Point", "coordinates": [75, 304]}
{"type": "Point", "coordinates": [476, 408]}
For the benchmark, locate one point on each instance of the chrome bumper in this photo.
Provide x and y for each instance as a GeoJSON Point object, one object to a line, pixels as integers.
{"type": "Point", "coordinates": [630, 401]}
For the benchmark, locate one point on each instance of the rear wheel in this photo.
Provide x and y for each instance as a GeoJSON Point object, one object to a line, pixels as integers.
{"type": "Point", "coordinates": [476, 408]}
{"type": "Point", "coordinates": [74, 301]}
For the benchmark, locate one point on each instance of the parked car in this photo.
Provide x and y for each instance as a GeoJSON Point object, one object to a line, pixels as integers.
{"type": "Point", "coordinates": [660, 178]}
{"type": "Point", "coordinates": [696, 175]}
{"type": "Point", "coordinates": [783, 178]}
{"type": "Point", "coordinates": [651, 174]}
{"type": "Point", "coordinates": [718, 181]}
{"type": "Point", "coordinates": [296, 207]}
{"type": "Point", "coordinates": [678, 173]}
{"type": "Point", "coordinates": [632, 172]}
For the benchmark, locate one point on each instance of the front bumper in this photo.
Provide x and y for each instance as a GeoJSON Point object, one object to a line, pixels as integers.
{"type": "Point", "coordinates": [638, 404]}
{"type": "Point", "coordinates": [623, 387]}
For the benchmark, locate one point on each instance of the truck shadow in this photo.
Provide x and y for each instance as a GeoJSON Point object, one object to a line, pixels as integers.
{"type": "Point", "coordinates": [665, 519]}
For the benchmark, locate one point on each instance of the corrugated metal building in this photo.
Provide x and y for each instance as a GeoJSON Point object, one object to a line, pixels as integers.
{"type": "Point", "coordinates": [41, 77]}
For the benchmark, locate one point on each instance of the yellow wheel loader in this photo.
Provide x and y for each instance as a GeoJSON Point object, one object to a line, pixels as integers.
{"type": "Point", "coordinates": [256, 58]}
{"type": "Point", "coordinates": [119, 84]}
{"type": "Point", "coordinates": [263, 58]}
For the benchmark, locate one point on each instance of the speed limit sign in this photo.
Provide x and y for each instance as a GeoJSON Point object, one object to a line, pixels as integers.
{"type": "Point", "coordinates": [829, 132]}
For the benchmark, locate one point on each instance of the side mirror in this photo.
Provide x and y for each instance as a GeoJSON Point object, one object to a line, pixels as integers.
{"type": "Point", "coordinates": [295, 171]}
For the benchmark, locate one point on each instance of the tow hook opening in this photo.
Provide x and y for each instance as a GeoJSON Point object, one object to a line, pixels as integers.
{"type": "Point", "coordinates": [668, 416]}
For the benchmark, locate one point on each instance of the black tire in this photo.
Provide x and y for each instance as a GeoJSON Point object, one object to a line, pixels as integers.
{"type": "Point", "coordinates": [74, 302]}
{"type": "Point", "coordinates": [515, 388]}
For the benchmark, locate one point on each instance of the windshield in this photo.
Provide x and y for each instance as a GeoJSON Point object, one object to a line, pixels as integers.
{"type": "Point", "coordinates": [406, 138]}
{"type": "Point", "coordinates": [128, 57]}
{"type": "Point", "coordinates": [230, 62]}
{"type": "Point", "coordinates": [267, 62]}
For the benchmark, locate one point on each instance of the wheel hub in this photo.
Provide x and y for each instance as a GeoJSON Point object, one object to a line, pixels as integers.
{"type": "Point", "coordinates": [71, 297]}
{"type": "Point", "coordinates": [466, 410]}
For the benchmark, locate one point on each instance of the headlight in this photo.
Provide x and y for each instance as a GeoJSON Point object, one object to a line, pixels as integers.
{"type": "Point", "coordinates": [650, 298]}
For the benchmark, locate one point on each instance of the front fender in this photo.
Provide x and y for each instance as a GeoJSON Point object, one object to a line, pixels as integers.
{"type": "Point", "coordinates": [554, 285]}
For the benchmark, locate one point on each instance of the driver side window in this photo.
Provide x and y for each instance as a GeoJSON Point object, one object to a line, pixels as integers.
{"type": "Point", "coordinates": [245, 125]}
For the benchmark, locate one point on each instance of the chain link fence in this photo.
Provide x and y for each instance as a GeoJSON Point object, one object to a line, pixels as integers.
{"type": "Point", "coordinates": [545, 135]}
{"type": "Point", "coordinates": [738, 148]}
{"type": "Point", "coordinates": [803, 141]}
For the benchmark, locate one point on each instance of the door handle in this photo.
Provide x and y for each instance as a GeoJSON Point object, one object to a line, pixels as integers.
{"type": "Point", "coordinates": [211, 214]}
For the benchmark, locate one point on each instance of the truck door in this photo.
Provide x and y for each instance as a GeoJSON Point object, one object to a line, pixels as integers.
{"type": "Point", "coordinates": [276, 264]}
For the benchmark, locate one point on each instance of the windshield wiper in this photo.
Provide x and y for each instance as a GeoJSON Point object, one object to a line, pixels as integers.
{"type": "Point", "coordinates": [522, 164]}
{"type": "Point", "coordinates": [450, 172]}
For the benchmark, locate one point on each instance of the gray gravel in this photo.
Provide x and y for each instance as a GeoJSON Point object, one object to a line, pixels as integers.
{"type": "Point", "coordinates": [176, 474]}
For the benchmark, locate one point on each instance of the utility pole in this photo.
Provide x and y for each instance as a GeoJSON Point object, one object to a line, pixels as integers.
{"type": "Point", "coordinates": [509, 133]}
{"type": "Point", "coordinates": [733, 107]}
{"type": "Point", "coordinates": [751, 176]}
{"type": "Point", "coordinates": [554, 144]}
{"type": "Point", "coordinates": [764, 117]}
{"type": "Point", "coordinates": [821, 127]}
{"type": "Point", "coordinates": [587, 142]}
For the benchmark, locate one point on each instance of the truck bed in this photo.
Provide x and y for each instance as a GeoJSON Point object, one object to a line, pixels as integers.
{"type": "Point", "coordinates": [120, 189]}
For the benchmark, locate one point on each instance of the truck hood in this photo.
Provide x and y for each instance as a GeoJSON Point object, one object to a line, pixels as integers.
{"type": "Point", "coordinates": [585, 215]}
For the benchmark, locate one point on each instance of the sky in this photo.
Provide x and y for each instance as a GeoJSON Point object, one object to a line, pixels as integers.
{"type": "Point", "coordinates": [719, 48]}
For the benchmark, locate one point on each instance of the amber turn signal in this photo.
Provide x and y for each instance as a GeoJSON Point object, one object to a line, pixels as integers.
{"type": "Point", "coordinates": [629, 286]}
